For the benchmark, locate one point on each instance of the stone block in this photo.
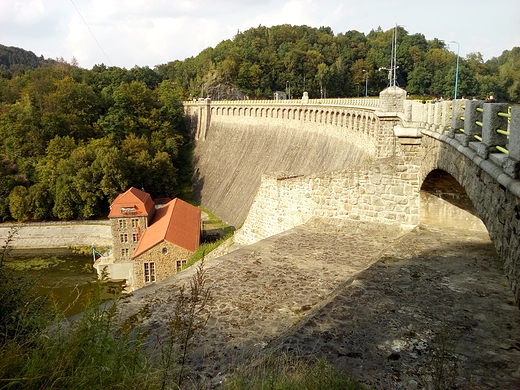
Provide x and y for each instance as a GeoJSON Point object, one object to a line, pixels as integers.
{"type": "Point", "coordinates": [397, 190]}
{"type": "Point", "coordinates": [401, 199]}
{"type": "Point", "coordinates": [511, 167]}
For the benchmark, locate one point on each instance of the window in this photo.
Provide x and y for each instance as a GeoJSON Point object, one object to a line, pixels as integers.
{"type": "Point", "coordinates": [149, 272]}
{"type": "Point", "coordinates": [164, 251]}
{"type": "Point", "coordinates": [124, 252]}
{"type": "Point", "coordinates": [122, 224]}
{"type": "Point", "coordinates": [124, 237]}
{"type": "Point", "coordinates": [135, 238]}
{"type": "Point", "coordinates": [180, 264]}
{"type": "Point", "coordinates": [135, 222]}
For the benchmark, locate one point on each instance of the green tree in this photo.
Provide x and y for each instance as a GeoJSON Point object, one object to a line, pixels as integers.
{"type": "Point", "coordinates": [418, 80]}
{"type": "Point", "coordinates": [19, 203]}
{"type": "Point", "coordinates": [65, 199]}
{"type": "Point", "coordinates": [40, 201]}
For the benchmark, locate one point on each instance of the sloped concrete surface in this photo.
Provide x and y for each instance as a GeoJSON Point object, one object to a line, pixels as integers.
{"type": "Point", "coordinates": [393, 307]}
{"type": "Point", "coordinates": [58, 235]}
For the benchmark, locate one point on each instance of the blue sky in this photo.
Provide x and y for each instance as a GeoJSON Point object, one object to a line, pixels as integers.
{"type": "Point", "coordinates": [126, 33]}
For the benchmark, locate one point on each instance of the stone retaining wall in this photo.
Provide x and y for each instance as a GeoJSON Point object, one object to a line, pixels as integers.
{"type": "Point", "coordinates": [58, 235]}
{"type": "Point", "coordinates": [384, 191]}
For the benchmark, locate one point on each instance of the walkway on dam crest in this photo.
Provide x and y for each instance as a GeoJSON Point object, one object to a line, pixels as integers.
{"type": "Point", "coordinates": [372, 299]}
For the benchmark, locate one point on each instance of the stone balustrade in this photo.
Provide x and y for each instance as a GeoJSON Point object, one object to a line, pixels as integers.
{"type": "Point", "coordinates": [356, 102]}
{"type": "Point", "coordinates": [491, 129]}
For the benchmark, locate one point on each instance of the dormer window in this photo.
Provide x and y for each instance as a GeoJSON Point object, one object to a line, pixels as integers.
{"type": "Point", "coordinates": [128, 210]}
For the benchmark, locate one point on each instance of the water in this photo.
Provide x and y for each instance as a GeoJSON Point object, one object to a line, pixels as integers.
{"type": "Point", "coordinates": [61, 275]}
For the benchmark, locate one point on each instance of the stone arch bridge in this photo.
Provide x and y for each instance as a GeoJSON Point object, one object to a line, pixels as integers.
{"type": "Point", "coordinates": [268, 166]}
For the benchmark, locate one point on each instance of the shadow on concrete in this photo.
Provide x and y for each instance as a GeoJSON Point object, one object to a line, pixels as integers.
{"type": "Point", "coordinates": [434, 310]}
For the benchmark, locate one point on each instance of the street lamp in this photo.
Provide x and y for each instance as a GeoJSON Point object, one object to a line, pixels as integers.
{"type": "Point", "coordinates": [456, 70]}
{"type": "Point", "coordinates": [366, 82]}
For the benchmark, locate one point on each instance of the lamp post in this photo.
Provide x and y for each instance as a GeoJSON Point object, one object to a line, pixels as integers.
{"type": "Point", "coordinates": [288, 89]}
{"type": "Point", "coordinates": [456, 70]}
{"type": "Point", "coordinates": [366, 82]}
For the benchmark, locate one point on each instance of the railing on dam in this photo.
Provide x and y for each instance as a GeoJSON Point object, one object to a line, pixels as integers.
{"type": "Point", "coordinates": [358, 114]}
{"type": "Point", "coordinates": [356, 102]}
{"type": "Point", "coordinates": [492, 130]}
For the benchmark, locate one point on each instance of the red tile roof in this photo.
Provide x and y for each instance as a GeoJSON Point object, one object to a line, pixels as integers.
{"type": "Point", "coordinates": [177, 222]}
{"type": "Point", "coordinates": [132, 202]}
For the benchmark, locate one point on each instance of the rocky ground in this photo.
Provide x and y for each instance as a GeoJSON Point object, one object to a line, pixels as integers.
{"type": "Point", "coordinates": [429, 308]}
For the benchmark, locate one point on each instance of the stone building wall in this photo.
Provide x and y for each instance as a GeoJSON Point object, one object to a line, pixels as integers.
{"type": "Point", "coordinates": [131, 226]}
{"type": "Point", "coordinates": [165, 257]}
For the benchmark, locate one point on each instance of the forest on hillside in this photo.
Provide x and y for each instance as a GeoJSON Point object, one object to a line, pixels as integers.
{"type": "Point", "coordinates": [71, 139]}
{"type": "Point", "coordinates": [262, 60]}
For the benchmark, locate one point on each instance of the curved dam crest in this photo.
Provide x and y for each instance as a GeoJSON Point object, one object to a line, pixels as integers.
{"type": "Point", "coordinates": [237, 151]}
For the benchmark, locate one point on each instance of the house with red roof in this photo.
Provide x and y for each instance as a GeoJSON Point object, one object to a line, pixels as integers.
{"type": "Point", "coordinates": [149, 243]}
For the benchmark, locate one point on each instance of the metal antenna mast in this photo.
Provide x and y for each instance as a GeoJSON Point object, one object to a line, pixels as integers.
{"type": "Point", "coordinates": [392, 74]}
{"type": "Point", "coordinates": [394, 48]}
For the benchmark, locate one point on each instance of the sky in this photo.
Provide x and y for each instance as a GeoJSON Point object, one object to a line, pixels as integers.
{"type": "Point", "coordinates": [126, 33]}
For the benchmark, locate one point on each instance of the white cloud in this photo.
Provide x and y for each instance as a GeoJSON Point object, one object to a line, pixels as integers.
{"type": "Point", "coordinates": [151, 32]}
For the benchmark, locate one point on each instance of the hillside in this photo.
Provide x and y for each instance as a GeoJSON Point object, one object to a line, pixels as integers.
{"type": "Point", "coordinates": [294, 59]}
{"type": "Point", "coordinates": [72, 138]}
{"type": "Point", "coordinates": [14, 60]}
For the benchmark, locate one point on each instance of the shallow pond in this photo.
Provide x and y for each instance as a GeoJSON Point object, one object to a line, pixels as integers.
{"type": "Point", "coordinates": [63, 276]}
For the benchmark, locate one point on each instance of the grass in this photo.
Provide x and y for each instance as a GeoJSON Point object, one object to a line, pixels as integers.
{"type": "Point", "coordinates": [285, 372]}
{"type": "Point", "coordinates": [205, 249]}
{"type": "Point", "coordinates": [212, 223]}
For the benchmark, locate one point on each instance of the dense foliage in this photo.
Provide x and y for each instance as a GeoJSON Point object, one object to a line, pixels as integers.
{"type": "Point", "coordinates": [71, 139]}
{"type": "Point", "coordinates": [262, 60]}
{"type": "Point", "coordinates": [14, 60]}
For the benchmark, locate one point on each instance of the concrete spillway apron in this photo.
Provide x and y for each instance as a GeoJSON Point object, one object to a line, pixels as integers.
{"type": "Point", "coordinates": [368, 298]}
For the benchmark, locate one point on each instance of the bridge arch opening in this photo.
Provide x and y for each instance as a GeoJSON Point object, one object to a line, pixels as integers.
{"type": "Point", "coordinates": [444, 202]}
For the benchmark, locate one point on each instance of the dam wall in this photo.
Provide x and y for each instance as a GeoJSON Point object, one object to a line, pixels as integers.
{"type": "Point", "coordinates": [236, 145]}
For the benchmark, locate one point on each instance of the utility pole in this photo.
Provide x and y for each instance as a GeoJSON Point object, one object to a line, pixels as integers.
{"type": "Point", "coordinates": [392, 74]}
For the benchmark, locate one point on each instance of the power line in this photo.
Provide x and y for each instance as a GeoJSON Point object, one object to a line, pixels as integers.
{"type": "Point", "coordinates": [93, 36]}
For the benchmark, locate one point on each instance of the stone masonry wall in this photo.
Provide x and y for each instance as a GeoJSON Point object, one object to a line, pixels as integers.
{"type": "Point", "coordinates": [358, 163]}
{"type": "Point", "coordinates": [133, 231]}
{"type": "Point", "coordinates": [165, 263]}
{"type": "Point", "coordinates": [383, 191]}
